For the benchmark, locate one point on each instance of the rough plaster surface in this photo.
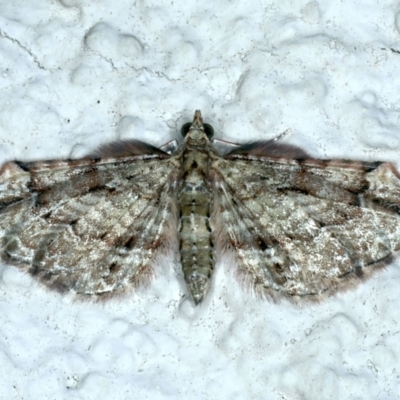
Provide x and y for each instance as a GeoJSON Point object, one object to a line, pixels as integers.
{"type": "Point", "coordinates": [74, 74]}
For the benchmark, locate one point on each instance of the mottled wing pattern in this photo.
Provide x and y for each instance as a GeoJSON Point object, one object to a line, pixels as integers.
{"type": "Point", "coordinates": [292, 226]}
{"type": "Point", "coordinates": [305, 228]}
{"type": "Point", "coordinates": [93, 227]}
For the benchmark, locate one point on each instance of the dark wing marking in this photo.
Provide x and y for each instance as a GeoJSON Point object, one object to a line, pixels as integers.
{"type": "Point", "coordinates": [90, 227]}
{"type": "Point", "coordinates": [304, 228]}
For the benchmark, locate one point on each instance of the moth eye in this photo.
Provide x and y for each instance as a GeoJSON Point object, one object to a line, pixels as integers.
{"type": "Point", "coordinates": [209, 130]}
{"type": "Point", "coordinates": [185, 128]}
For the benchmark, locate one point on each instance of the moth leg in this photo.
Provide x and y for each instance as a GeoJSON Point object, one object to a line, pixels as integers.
{"type": "Point", "coordinates": [170, 147]}
{"type": "Point", "coordinates": [223, 147]}
{"type": "Point", "coordinates": [282, 135]}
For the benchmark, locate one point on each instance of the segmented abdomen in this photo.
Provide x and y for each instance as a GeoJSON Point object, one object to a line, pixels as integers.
{"type": "Point", "coordinates": [196, 247]}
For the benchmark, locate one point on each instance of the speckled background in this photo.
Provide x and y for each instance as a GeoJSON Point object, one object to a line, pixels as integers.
{"type": "Point", "coordinates": [75, 74]}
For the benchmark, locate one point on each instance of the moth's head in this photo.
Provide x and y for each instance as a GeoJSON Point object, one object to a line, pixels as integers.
{"type": "Point", "coordinates": [196, 129]}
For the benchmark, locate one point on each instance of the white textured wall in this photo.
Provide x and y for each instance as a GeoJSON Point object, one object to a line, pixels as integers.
{"type": "Point", "coordinates": [75, 74]}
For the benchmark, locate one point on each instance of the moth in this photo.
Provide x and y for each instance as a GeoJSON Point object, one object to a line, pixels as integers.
{"type": "Point", "coordinates": [286, 224]}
